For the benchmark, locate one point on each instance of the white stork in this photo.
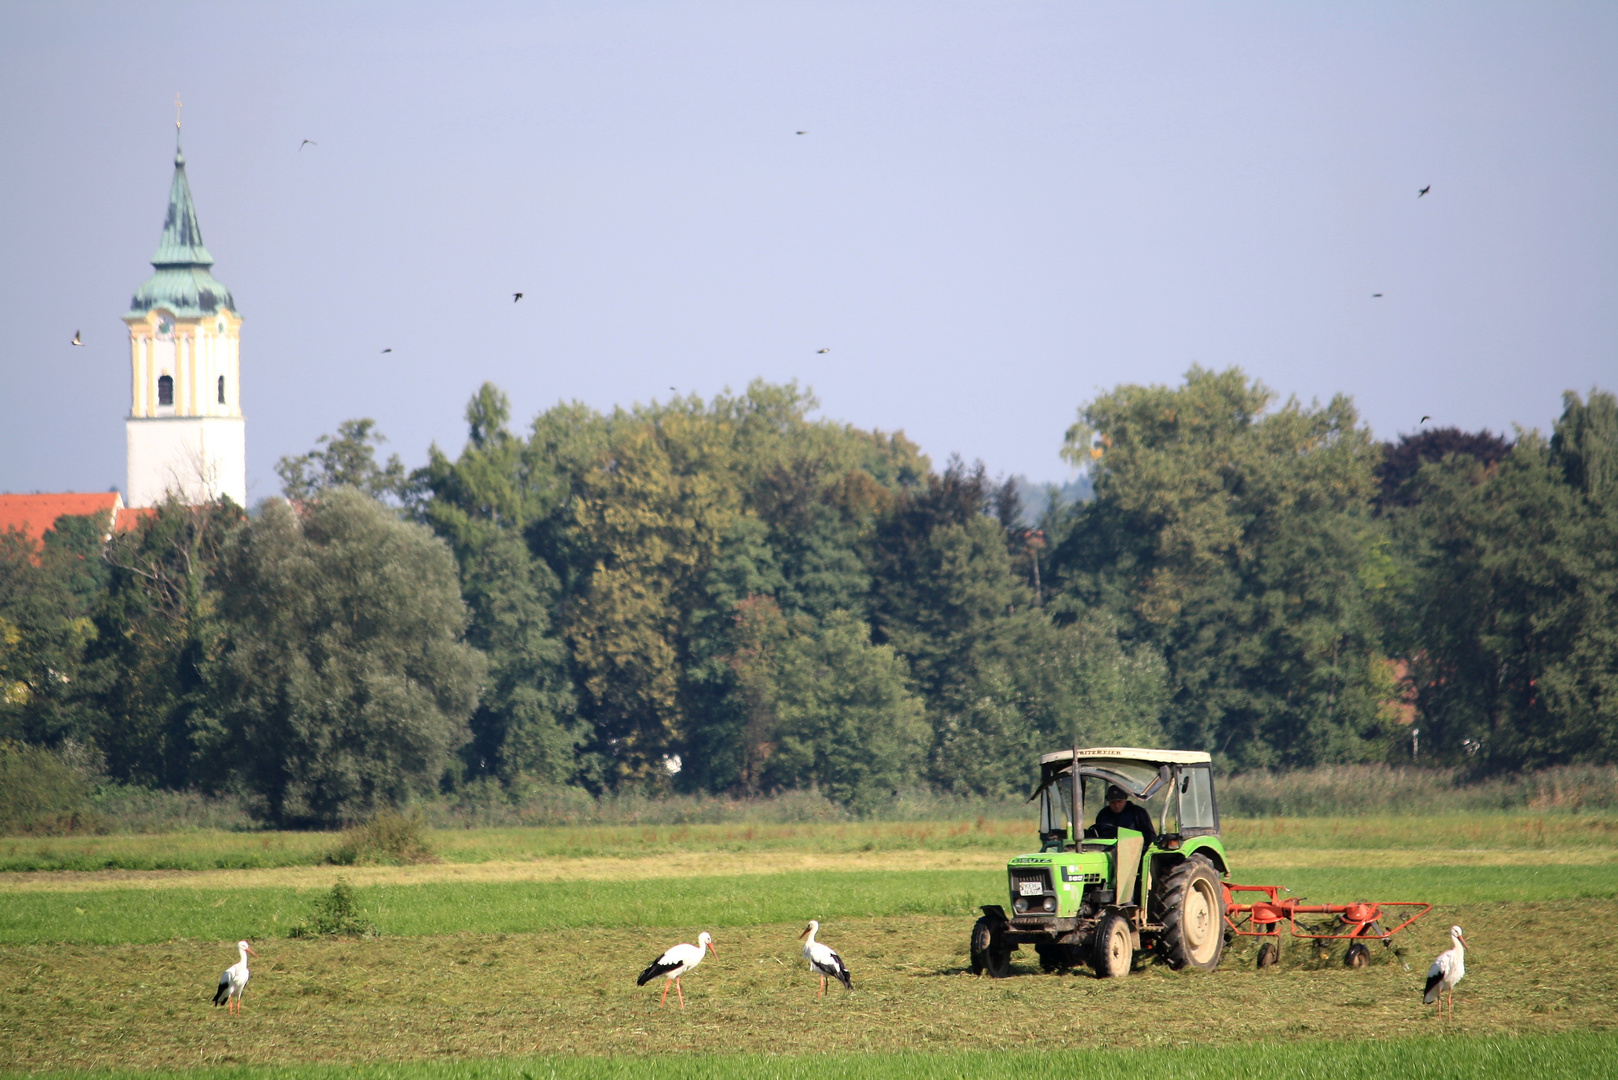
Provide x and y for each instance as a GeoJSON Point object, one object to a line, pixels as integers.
{"type": "Point", "coordinates": [234, 981]}
{"type": "Point", "coordinates": [1446, 971]}
{"type": "Point", "coordinates": [822, 960]}
{"type": "Point", "coordinates": [678, 961]}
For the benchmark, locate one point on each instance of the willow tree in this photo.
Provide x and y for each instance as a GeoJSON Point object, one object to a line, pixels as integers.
{"type": "Point", "coordinates": [343, 682]}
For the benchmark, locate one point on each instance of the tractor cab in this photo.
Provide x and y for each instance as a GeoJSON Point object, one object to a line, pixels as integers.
{"type": "Point", "coordinates": [1100, 892]}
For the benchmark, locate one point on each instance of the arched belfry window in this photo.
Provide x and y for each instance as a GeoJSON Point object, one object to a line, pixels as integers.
{"type": "Point", "coordinates": [165, 390]}
{"type": "Point", "coordinates": [221, 389]}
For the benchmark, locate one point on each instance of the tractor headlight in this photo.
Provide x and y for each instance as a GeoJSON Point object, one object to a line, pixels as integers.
{"type": "Point", "coordinates": [1020, 905]}
{"type": "Point", "coordinates": [1049, 904]}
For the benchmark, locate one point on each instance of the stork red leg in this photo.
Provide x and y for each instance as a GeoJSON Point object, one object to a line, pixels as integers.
{"type": "Point", "coordinates": [677, 990]}
{"type": "Point", "coordinates": [662, 1000]}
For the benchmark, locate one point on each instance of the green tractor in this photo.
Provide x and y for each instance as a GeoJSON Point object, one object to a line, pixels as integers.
{"type": "Point", "coordinates": [1103, 894]}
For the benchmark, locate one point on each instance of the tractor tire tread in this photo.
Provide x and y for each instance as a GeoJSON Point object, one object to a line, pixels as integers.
{"type": "Point", "coordinates": [1170, 895]}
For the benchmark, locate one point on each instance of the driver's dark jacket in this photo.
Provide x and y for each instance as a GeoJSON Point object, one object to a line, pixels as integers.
{"type": "Point", "coordinates": [1130, 817]}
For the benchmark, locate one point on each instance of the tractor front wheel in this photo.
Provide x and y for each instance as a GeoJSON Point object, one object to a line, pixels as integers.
{"type": "Point", "coordinates": [989, 949]}
{"type": "Point", "coordinates": [1188, 897]}
{"type": "Point", "coordinates": [1114, 947]}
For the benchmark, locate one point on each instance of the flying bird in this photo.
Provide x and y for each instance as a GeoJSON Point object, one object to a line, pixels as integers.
{"type": "Point", "coordinates": [1424, 420]}
{"type": "Point", "coordinates": [1446, 971]}
{"type": "Point", "coordinates": [515, 297]}
{"type": "Point", "coordinates": [1424, 191]}
{"type": "Point", "coordinates": [306, 142]}
{"type": "Point", "coordinates": [800, 133]}
{"type": "Point", "coordinates": [234, 981]}
{"type": "Point", "coordinates": [75, 340]}
{"type": "Point", "coordinates": [387, 350]}
{"type": "Point", "coordinates": [1375, 295]}
{"type": "Point", "coordinates": [822, 350]}
{"type": "Point", "coordinates": [823, 961]}
{"type": "Point", "coordinates": [679, 960]}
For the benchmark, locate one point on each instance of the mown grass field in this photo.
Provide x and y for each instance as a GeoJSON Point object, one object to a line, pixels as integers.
{"type": "Point", "coordinates": [211, 849]}
{"type": "Point", "coordinates": [1583, 1054]}
{"type": "Point", "coordinates": [529, 962]}
{"type": "Point", "coordinates": [145, 915]}
{"type": "Point", "coordinates": [1538, 967]}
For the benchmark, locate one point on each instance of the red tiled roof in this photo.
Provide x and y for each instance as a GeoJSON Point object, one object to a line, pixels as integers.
{"type": "Point", "coordinates": [34, 514]}
{"type": "Point", "coordinates": [130, 517]}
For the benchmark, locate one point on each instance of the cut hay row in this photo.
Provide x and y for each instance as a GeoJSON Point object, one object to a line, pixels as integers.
{"type": "Point", "coordinates": [730, 863]}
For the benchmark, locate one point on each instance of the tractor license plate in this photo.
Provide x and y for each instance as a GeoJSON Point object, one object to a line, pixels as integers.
{"type": "Point", "coordinates": [1029, 888]}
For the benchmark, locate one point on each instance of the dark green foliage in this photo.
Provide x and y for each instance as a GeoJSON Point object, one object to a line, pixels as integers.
{"type": "Point", "coordinates": [347, 459]}
{"type": "Point", "coordinates": [157, 634]}
{"type": "Point", "coordinates": [526, 723]}
{"type": "Point", "coordinates": [48, 595]}
{"type": "Point", "coordinates": [1240, 543]}
{"type": "Point", "coordinates": [1509, 609]}
{"type": "Point", "coordinates": [733, 598]}
{"type": "Point", "coordinates": [334, 914]}
{"type": "Point", "coordinates": [845, 721]}
{"type": "Point", "coordinates": [1401, 461]}
{"type": "Point", "coordinates": [342, 685]}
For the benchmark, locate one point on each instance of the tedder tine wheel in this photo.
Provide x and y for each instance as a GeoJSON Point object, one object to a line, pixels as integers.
{"type": "Point", "coordinates": [1269, 954]}
{"type": "Point", "coordinates": [1115, 947]}
{"type": "Point", "coordinates": [1358, 955]}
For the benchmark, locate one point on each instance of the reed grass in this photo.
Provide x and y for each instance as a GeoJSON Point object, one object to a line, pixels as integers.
{"type": "Point", "coordinates": [1334, 791]}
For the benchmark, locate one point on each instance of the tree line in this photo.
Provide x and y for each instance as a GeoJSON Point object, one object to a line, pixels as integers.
{"type": "Point", "coordinates": [730, 596]}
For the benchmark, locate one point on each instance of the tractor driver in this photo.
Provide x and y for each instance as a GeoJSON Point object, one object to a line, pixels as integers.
{"type": "Point", "coordinates": [1121, 813]}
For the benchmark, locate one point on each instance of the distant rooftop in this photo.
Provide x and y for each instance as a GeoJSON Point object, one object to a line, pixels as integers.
{"type": "Point", "coordinates": [36, 514]}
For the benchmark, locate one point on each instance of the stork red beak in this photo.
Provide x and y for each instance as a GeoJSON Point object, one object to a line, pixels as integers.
{"type": "Point", "coordinates": [712, 949]}
{"type": "Point", "coordinates": [250, 951]}
{"type": "Point", "coordinates": [804, 934]}
{"type": "Point", "coordinates": [1462, 939]}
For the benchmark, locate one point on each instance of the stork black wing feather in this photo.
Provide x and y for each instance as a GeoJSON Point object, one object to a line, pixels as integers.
{"type": "Point", "coordinates": [837, 970]}
{"type": "Point", "coordinates": [222, 995]}
{"type": "Point", "coordinates": [657, 968]}
{"type": "Point", "coordinates": [1430, 994]}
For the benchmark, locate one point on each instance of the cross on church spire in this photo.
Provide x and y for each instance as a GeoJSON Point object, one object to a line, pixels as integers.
{"type": "Point", "coordinates": [177, 107]}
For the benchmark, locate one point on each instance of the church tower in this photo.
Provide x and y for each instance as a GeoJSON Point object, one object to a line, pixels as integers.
{"type": "Point", "coordinates": [186, 433]}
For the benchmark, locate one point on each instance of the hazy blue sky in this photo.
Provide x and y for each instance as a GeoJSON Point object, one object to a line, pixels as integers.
{"type": "Point", "coordinates": [998, 209]}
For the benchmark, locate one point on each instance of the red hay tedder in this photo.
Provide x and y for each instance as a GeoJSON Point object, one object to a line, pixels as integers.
{"type": "Point", "coordinates": [1359, 923]}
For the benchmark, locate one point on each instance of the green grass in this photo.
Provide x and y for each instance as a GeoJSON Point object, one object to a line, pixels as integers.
{"type": "Point", "coordinates": [216, 849]}
{"type": "Point", "coordinates": [149, 915]}
{"type": "Point", "coordinates": [1583, 1054]}
{"type": "Point", "coordinates": [219, 850]}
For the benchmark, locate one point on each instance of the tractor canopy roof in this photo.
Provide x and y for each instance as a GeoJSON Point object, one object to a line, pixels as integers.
{"type": "Point", "coordinates": [1140, 772]}
{"type": "Point", "coordinates": [1154, 758]}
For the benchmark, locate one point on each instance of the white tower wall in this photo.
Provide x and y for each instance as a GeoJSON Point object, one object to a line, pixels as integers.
{"type": "Point", "coordinates": [198, 458]}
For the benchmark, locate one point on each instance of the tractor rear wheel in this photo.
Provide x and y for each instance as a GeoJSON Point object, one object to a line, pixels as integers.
{"type": "Point", "coordinates": [1188, 898]}
{"type": "Point", "coordinates": [1114, 947]}
{"type": "Point", "coordinates": [989, 949]}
